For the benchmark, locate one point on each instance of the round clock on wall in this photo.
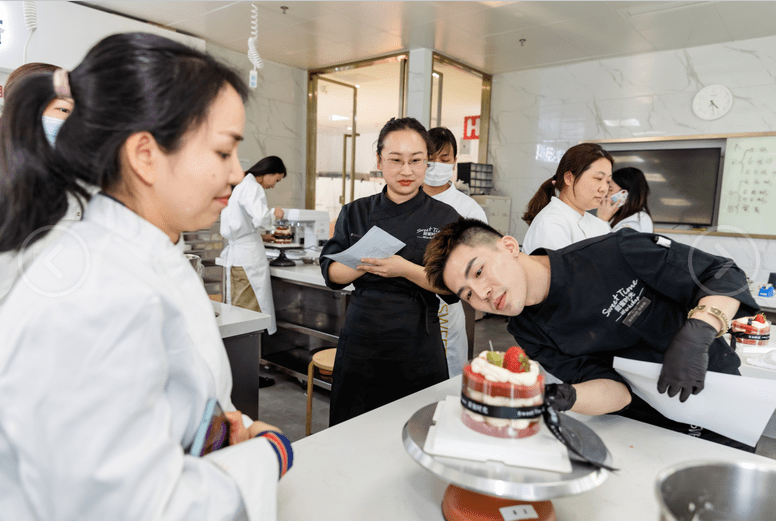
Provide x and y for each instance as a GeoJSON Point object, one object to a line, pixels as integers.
{"type": "Point", "coordinates": [712, 102]}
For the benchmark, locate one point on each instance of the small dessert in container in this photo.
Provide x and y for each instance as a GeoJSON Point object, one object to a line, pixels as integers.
{"type": "Point", "coordinates": [502, 394]}
{"type": "Point", "coordinates": [752, 331]}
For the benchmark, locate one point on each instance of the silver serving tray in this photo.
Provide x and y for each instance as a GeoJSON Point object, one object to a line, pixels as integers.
{"type": "Point", "coordinates": [501, 480]}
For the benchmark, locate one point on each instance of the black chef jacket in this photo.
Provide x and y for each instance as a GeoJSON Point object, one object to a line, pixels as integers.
{"type": "Point", "coordinates": [390, 345]}
{"type": "Point", "coordinates": [625, 295]}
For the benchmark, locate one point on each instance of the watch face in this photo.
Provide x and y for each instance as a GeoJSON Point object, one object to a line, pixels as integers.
{"type": "Point", "coordinates": [712, 102]}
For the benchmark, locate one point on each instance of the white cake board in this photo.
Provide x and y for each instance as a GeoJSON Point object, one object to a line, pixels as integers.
{"type": "Point", "coordinates": [450, 437]}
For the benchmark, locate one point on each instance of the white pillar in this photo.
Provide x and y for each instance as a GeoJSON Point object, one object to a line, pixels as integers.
{"type": "Point", "coordinates": [421, 63]}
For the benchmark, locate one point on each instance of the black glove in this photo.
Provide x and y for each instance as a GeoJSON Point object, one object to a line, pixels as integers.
{"type": "Point", "coordinates": [686, 360]}
{"type": "Point", "coordinates": [560, 397]}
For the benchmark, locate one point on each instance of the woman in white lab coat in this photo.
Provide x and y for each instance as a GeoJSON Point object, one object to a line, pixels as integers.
{"type": "Point", "coordinates": [581, 181]}
{"type": "Point", "coordinates": [242, 223]}
{"type": "Point", "coordinates": [634, 213]}
{"type": "Point", "coordinates": [53, 117]}
{"type": "Point", "coordinates": [439, 185]}
{"type": "Point", "coordinates": [111, 353]}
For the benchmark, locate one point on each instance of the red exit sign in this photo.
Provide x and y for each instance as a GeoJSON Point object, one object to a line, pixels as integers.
{"type": "Point", "coordinates": [471, 127]}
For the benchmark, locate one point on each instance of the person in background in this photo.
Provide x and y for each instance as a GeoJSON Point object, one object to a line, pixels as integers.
{"type": "Point", "coordinates": [53, 117]}
{"type": "Point", "coordinates": [390, 345]}
{"type": "Point", "coordinates": [635, 212]}
{"type": "Point", "coordinates": [111, 355]}
{"type": "Point", "coordinates": [626, 294]}
{"type": "Point", "coordinates": [439, 185]}
{"type": "Point", "coordinates": [581, 181]}
{"type": "Point", "coordinates": [248, 283]}
{"type": "Point", "coordinates": [242, 221]}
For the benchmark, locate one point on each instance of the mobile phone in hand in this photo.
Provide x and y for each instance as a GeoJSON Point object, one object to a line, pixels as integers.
{"type": "Point", "coordinates": [620, 197]}
{"type": "Point", "coordinates": [213, 431]}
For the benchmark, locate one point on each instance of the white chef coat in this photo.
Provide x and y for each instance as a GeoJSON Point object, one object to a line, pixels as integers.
{"type": "Point", "coordinates": [559, 225]}
{"type": "Point", "coordinates": [12, 265]}
{"type": "Point", "coordinates": [641, 222]}
{"type": "Point", "coordinates": [242, 222]}
{"type": "Point", "coordinates": [110, 352]}
{"type": "Point", "coordinates": [452, 321]}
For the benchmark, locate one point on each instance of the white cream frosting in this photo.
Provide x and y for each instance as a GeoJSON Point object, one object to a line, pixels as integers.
{"type": "Point", "coordinates": [494, 373]}
{"type": "Point", "coordinates": [755, 324]}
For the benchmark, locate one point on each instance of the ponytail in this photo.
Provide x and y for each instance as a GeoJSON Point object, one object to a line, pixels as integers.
{"type": "Point", "coordinates": [33, 186]}
{"type": "Point", "coordinates": [127, 83]}
{"type": "Point", "coordinates": [576, 161]}
{"type": "Point", "coordinates": [540, 199]}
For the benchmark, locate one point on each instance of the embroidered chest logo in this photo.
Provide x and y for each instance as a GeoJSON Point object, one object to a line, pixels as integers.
{"type": "Point", "coordinates": [623, 300]}
{"type": "Point", "coordinates": [427, 233]}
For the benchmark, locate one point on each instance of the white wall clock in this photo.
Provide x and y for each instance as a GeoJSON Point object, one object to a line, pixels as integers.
{"type": "Point", "coordinates": [712, 102]}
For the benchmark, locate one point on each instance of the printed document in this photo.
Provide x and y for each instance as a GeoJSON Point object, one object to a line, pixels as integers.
{"type": "Point", "coordinates": [375, 244]}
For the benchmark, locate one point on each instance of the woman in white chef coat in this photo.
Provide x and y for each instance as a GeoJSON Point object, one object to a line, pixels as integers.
{"type": "Point", "coordinates": [111, 354]}
{"type": "Point", "coordinates": [438, 183]}
{"type": "Point", "coordinates": [635, 212]}
{"type": "Point", "coordinates": [53, 117]}
{"type": "Point", "coordinates": [242, 221]}
{"type": "Point", "coordinates": [581, 181]}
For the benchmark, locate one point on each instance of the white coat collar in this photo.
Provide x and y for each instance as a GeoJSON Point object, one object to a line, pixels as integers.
{"type": "Point", "coordinates": [560, 206]}
{"type": "Point", "coordinates": [111, 214]}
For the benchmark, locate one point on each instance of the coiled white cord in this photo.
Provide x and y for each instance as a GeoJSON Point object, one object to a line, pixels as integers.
{"type": "Point", "coordinates": [253, 53]}
{"type": "Point", "coordinates": [31, 21]}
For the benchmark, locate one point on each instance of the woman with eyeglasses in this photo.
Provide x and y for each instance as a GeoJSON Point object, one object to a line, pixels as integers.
{"type": "Point", "coordinates": [390, 345]}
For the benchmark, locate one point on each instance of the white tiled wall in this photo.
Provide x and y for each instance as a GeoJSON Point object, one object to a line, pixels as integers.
{"type": "Point", "coordinates": [275, 123]}
{"type": "Point", "coordinates": [556, 107]}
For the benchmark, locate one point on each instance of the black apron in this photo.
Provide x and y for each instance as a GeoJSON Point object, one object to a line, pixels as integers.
{"type": "Point", "coordinates": [390, 345]}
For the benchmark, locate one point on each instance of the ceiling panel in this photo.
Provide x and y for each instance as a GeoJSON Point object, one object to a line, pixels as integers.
{"type": "Point", "coordinates": [483, 34]}
{"type": "Point", "coordinates": [757, 19]}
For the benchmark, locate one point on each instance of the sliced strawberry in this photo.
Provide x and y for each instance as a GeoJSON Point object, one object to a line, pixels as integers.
{"type": "Point", "coordinates": [516, 360]}
{"type": "Point", "coordinates": [760, 318]}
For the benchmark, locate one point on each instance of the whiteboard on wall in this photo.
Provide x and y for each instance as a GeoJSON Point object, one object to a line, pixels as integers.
{"type": "Point", "coordinates": [748, 195]}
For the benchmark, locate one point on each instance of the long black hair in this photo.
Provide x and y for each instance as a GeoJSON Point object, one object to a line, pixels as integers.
{"type": "Point", "coordinates": [268, 165]}
{"type": "Point", "coordinates": [127, 83]}
{"type": "Point", "coordinates": [633, 180]}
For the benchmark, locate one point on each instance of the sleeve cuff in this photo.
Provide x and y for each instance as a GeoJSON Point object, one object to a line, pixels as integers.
{"type": "Point", "coordinates": [282, 448]}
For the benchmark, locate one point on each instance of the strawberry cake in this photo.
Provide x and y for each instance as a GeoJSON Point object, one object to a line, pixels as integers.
{"type": "Point", "coordinates": [502, 394]}
{"type": "Point", "coordinates": [753, 331]}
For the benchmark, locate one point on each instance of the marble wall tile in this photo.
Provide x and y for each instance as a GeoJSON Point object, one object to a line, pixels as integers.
{"type": "Point", "coordinates": [554, 108]}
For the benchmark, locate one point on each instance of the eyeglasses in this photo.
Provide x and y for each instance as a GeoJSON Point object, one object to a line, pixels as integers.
{"type": "Point", "coordinates": [397, 164]}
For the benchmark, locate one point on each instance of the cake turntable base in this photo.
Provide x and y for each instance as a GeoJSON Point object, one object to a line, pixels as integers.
{"type": "Point", "coordinates": [493, 491]}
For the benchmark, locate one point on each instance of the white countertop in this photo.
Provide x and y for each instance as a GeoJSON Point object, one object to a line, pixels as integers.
{"type": "Point", "coordinates": [360, 470]}
{"type": "Point", "coordinates": [765, 303]}
{"type": "Point", "coordinates": [233, 320]}
{"type": "Point", "coordinates": [306, 273]}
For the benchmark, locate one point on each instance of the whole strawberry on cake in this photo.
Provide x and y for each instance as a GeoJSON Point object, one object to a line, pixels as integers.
{"type": "Point", "coordinates": [502, 394]}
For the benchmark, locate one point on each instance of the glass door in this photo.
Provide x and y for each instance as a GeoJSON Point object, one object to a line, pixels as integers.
{"type": "Point", "coordinates": [335, 145]}
{"type": "Point", "coordinates": [347, 107]}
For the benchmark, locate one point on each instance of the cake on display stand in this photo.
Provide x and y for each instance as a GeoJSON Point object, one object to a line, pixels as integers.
{"type": "Point", "coordinates": [282, 259]}
{"type": "Point", "coordinates": [494, 491]}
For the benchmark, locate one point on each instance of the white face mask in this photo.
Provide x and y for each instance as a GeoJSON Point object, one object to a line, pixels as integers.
{"type": "Point", "coordinates": [51, 128]}
{"type": "Point", "coordinates": [437, 174]}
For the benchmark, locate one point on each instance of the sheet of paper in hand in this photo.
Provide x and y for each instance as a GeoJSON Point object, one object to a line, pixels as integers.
{"type": "Point", "coordinates": [375, 244]}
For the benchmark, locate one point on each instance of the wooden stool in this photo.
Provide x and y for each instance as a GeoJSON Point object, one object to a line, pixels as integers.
{"type": "Point", "coordinates": [323, 360]}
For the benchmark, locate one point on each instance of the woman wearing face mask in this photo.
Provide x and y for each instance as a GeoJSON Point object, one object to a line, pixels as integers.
{"type": "Point", "coordinates": [54, 115]}
{"type": "Point", "coordinates": [390, 345]}
{"type": "Point", "coordinates": [635, 212]}
{"type": "Point", "coordinates": [247, 276]}
{"type": "Point", "coordinates": [439, 185]}
{"type": "Point", "coordinates": [581, 181]}
{"type": "Point", "coordinates": [111, 354]}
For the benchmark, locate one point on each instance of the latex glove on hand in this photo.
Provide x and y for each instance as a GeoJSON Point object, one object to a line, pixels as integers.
{"type": "Point", "coordinates": [686, 360]}
{"type": "Point", "coordinates": [560, 397]}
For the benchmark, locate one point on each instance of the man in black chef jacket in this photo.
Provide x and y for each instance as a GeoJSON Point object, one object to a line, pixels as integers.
{"type": "Point", "coordinates": [626, 294]}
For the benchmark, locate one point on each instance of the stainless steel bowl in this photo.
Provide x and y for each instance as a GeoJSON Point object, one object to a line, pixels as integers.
{"type": "Point", "coordinates": [717, 491]}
